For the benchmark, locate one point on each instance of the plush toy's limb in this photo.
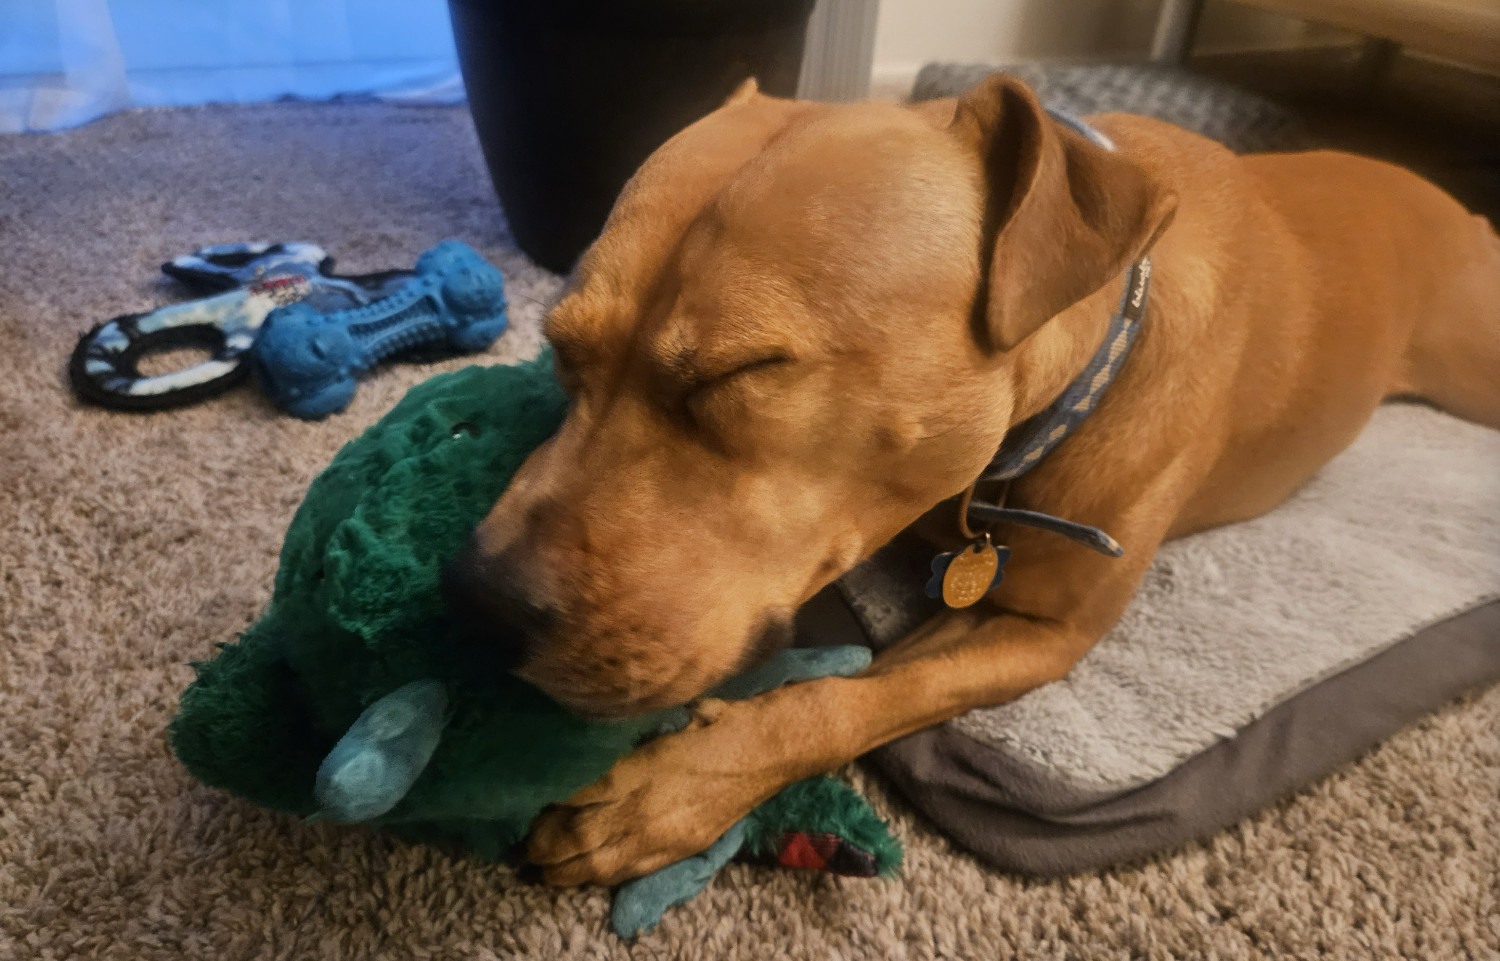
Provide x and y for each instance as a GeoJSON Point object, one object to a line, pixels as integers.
{"type": "Point", "coordinates": [796, 664]}
{"type": "Point", "coordinates": [821, 823]}
{"type": "Point", "coordinates": [810, 814]}
{"type": "Point", "coordinates": [789, 666]}
{"type": "Point", "coordinates": [639, 904]}
{"type": "Point", "coordinates": [824, 824]}
{"type": "Point", "coordinates": [373, 765]}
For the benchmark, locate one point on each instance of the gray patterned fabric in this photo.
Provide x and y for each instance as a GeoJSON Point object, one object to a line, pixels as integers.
{"type": "Point", "coordinates": [1240, 120]}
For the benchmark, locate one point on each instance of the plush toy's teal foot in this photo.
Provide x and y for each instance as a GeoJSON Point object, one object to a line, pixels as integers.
{"type": "Point", "coordinates": [639, 904]}
{"type": "Point", "coordinates": [795, 664]}
{"type": "Point", "coordinates": [787, 667]}
{"type": "Point", "coordinates": [373, 765]}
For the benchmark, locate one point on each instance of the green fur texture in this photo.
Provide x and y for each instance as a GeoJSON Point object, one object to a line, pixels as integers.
{"type": "Point", "coordinates": [822, 805]}
{"type": "Point", "coordinates": [357, 612]}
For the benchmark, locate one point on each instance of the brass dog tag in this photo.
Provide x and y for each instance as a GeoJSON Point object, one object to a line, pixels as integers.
{"type": "Point", "coordinates": [970, 574]}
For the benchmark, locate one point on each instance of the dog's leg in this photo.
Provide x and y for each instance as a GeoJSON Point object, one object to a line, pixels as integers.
{"type": "Point", "coordinates": [676, 795]}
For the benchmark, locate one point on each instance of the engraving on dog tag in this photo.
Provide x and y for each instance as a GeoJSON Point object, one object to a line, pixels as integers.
{"type": "Point", "coordinates": [973, 572]}
{"type": "Point", "coordinates": [970, 574]}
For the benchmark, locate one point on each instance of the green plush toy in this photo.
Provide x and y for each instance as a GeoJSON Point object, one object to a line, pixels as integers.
{"type": "Point", "coordinates": [353, 696]}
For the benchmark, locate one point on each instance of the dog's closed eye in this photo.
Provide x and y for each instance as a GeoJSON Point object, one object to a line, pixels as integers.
{"type": "Point", "coordinates": [714, 403]}
{"type": "Point", "coordinates": [747, 367]}
{"type": "Point", "coordinates": [702, 385]}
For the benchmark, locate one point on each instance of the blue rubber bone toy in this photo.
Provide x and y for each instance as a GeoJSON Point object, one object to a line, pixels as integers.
{"type": "Point", "coordinates": [242, 285]}
{"type": "Point", "coordinates": [308, 361]}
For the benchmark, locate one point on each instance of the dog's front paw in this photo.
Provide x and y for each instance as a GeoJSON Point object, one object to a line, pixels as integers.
{"type": "Point", "coordinates": [667, 800]}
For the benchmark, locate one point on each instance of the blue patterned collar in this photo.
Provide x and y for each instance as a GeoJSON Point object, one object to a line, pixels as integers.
{"type": "Point", "coordinates": [1029, 442]}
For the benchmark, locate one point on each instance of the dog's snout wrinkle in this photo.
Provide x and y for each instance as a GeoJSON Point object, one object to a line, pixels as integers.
{"type": "Point", "coordinates": [488, 599]}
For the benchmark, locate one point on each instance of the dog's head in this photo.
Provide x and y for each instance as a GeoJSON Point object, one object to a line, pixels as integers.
{"type": "Point", "coordinates": [802, 327]}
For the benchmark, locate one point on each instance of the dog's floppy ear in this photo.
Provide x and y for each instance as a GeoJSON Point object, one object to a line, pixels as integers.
{"type": "Point", "coordinates": [1063, 215]}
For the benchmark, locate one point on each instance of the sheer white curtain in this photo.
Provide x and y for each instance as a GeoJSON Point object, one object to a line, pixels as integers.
{"type": "Point", "coordinates": [63, 62]}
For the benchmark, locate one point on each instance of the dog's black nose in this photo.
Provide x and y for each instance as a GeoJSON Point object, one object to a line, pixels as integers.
{"type": "Point", "coordinates": [488, 601]}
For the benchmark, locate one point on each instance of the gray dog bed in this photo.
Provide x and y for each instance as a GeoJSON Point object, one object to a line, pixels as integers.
{"type": "Point", "coordinates": [1243, 121]}
{"type": "Point", "coordinates": [1255, 658]}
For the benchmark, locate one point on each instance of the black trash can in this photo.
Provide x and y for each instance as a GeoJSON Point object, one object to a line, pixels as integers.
{"type": "Point", "coordinates": [569, 96]}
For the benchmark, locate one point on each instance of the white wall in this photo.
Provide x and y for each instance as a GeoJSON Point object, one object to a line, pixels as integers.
{"type": "Point", "coordinates": [910, 33]}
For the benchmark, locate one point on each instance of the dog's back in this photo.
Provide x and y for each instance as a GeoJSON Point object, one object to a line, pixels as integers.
{"type": "Point", "coordinates": [1305, 289]}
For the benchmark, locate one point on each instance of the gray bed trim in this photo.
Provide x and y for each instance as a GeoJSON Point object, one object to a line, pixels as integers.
{"type": "Point", "coordinates": [943, 772]}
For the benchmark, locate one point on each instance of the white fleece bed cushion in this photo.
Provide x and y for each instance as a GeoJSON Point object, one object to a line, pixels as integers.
{"type": "Point", "coordinates": [1398, 533]}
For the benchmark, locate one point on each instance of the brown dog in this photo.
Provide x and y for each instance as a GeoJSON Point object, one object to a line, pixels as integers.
{"type": "Point", "coordinates": [807, 326]}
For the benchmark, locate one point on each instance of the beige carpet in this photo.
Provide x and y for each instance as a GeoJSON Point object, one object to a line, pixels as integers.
{"type": "Point", "coordinates": [131, 544]}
